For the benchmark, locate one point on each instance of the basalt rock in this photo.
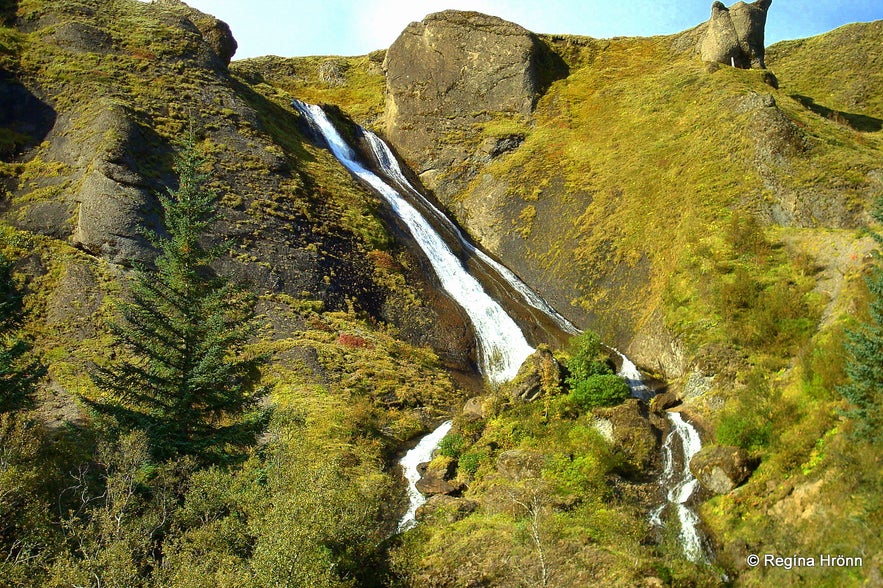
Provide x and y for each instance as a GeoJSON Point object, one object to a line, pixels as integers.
{"type": "Point", "coordinates": [454, 70]}
{"type": "Point", "coordinates": [447, 508]}
{"type": "Point", "coordinates": [734, 36]}
{"type": "Point", "coordinates": [539, 375]}
{"type": "Point", "coordinates": [720, 468]}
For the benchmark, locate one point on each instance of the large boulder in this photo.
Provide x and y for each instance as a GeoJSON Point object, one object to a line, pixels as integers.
{"type": "Point", "coordinates": [539, 375]}
{"type": "Point", "coordinates": [734, 36]}
{"type": "Point", "coordinates": [720, 468]}
{"type": "Point", "coordinates": [453, 70]}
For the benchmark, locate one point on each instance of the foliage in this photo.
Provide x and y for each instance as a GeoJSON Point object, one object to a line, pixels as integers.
{"type": "Point", "coordinates": [748, 420]}
{"type": "Point", "coordinates": [864, 369]}
{"type": "Point", "coordinates": [186, 378]}
{"type": "Point", "coordinates": [600, 390]}
{"type": "Point", "coordinates": [452, 445]}
{"type": "Point", "coordinates": [587, 358]}
{"type": "Point", "coordinates": [18, 372]}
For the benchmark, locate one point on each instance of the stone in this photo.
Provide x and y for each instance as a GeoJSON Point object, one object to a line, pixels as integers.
{"type": "Point", "coordinates": [633, 432]}
{"type": "Point", "coordinates": [473, 409]}
{"type": "Point", "coordinates": [721, 468]}
{"type": "Point", "coordinates": [455, 69]}
{"type": "Point", "coordinates": [437, 477]}
{"type": "Point", "coordinates": [734, 36]}
{"type": "Point", "coordinates": [518, 464]}
{"type": "Point", "coordinates": [662, 402]}
{"type": "Point", "coordinates": [447, 508]}
{"type": "Point", "coordinates": [539, 375]}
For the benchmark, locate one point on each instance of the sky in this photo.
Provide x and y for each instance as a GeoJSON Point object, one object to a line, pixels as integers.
{"type": "Point", "coordinates": [355, 27]}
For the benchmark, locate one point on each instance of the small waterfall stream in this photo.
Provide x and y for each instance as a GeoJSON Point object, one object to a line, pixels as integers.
{"type": "Point", "coordinates": [413, 458]}
{"type": "Point", "coordinates": [679, 447]}
{"type": "Point", "coordinates": [502, 344]}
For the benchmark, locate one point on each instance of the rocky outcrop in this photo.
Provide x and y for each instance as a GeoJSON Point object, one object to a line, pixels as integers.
{"type": "Point", "coordinates": [446, 508]}
{"type": "Point", "coordinates": [453, 70]}
{"type": "Point", "coordinates": [734, 36]}
{"type": "Point", "coordinates": [438, 477]}
{"type": "Point", "coordinates": [539, 375]}
{"type": "Point", "coordinates": [634, 430]}
{"type": "Point", "coordinates": [720, 468]}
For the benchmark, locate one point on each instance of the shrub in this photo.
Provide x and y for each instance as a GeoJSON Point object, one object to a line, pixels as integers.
{"type": "Point", "coordinates": [470, 462]}
{"type": "Point", "coordinates": [600, 390]}
{"type": "Point", "coordinates": [587, 358]}
{"type": "Point", "coordinates": [452, 445]}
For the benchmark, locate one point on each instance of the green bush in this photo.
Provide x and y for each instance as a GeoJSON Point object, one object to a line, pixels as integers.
{"type": "Point", "coordinates": [470, 462]}
{"type": "Point", "coordinates": [452, 445]}
{"type": "Point", "coordinates": [587, 358]}
{"type": "Point", "coordinates": [600, 390]}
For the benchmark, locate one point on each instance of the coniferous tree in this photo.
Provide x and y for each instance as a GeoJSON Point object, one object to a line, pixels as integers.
{"type": "Point", "coordinates": [18, 374]}
{"type": "Point", "coordinates": [864, 368]}
{"type": "Point", "coordinates": [184, 376]}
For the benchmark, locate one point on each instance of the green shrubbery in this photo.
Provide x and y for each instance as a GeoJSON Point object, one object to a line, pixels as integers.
{"type": "Point", "coordinates": [590, 379]}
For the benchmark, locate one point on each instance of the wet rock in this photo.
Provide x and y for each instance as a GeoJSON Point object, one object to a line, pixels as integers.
{"type": "Point", "coordinates": [517, 464]}
{"type": "Point", "coordinates": [662, 402]}
{"type": "Point", "coordinates": [447, 508]}
{"type": "Point", "coordinates": [734, 36]}
{"type": "Point", "coordinates": [539, 375]}
{"type": "Point", "coordinates": [720, 468]}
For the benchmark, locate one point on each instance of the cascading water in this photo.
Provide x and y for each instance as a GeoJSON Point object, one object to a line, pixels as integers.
{"type": "Point", "coordinates": [501, 342]}
{"type": "Point", "coordinates": [681, 483]}
{"type": "Point", "coordinates": [413, 458]}
{"type": "Point", "coordinates": [502, 346]}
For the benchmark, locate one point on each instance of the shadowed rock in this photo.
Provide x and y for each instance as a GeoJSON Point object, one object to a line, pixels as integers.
{"type": "Point", "coordinates": [734, 36]}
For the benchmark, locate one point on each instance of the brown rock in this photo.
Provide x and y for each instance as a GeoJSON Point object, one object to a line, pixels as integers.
{"type": "Point", "coordinates": [720, 468]}
{"type": "Point", "coordinates": [447, 508]}
{"type": "Point", "coordinates": [734, 36]}
{"type": "Point", "coordinates": [453, 70]}
{"type": "Point", "coordinates": [662, 402]}
{"type": "Point", "coordinates": [517, 464]}
{"type": "Point", "coordinates": [539, 375]}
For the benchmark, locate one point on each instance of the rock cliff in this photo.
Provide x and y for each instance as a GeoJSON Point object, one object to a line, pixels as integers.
{"type": "Point", "coordinates": [453, 71]}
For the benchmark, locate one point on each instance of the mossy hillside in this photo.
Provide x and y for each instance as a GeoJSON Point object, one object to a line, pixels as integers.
{"type": "Point", "coordinates": [820, 73]}
{"type": "Point", "coordinates": [354, 83]}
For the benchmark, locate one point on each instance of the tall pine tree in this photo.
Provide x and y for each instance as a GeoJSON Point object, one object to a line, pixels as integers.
{"type": "Point", "coordinates": [864, 368]}
{"type": "Point", "coordinates": [184, 375]}
{"type": "Point", "coordinates": [18, 372]}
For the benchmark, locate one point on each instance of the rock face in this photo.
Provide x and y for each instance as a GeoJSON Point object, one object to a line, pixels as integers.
{"type": "Point", "coordinates": [453, 70]}
{"type": "Point", "coordinates": [734, 35]}
{"type": "Point", "coordinates": [720, 468]}
{"type": "Point", "coordinates": [539, 374]}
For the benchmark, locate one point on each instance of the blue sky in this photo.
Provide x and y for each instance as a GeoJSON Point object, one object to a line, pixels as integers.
{"type": "Point", "coordinates": [355, 27]}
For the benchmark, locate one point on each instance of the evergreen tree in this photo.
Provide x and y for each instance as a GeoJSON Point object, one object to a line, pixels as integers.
{"type": "Point", "coordinates": [864, 368]}
{"type": "Point", "coordinates": [18, 374]}
{"type": "Point", "coordinates": [184, 376]}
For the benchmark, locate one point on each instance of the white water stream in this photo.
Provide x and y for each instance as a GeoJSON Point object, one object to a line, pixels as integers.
{"type": "Point", "coordinates": [677, 477]}
{"type": "Point", "coordinates": [413, 458]}
{"type": "Point", "coordinates": [502, 345]}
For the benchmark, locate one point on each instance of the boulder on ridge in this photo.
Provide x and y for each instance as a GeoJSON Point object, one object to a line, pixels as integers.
{"type": "Point", "coordinates": [454, 70]}
{"type": "Point", "coordinates": [734, 36]}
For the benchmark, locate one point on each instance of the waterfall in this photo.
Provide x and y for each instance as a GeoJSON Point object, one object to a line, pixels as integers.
{"type": "Point", "coordinates": [677, 477]}
{"type": "Point", "coordinates": [502, 345]}
{"type": "Point", "coordinates": [391, 167]}
{"type": "Point", "coordinates": [413, 458]}
{"type": "Point", "coordinates": [629, 372]}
